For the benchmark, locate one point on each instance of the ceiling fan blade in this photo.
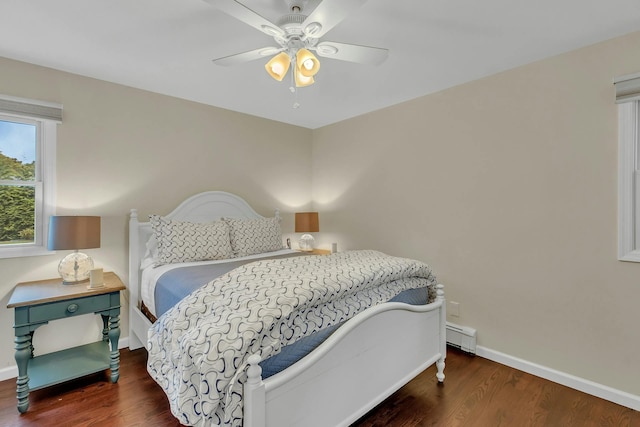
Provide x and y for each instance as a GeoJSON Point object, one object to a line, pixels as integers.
{"type": "Point", "coordinates": [352, 52]}
{"type": "Point", "coordinates": [327, 15]}
{"type": "Point", "coordinates": [252, 55]}
{"type": "Point", "coordinates": [246, 15]}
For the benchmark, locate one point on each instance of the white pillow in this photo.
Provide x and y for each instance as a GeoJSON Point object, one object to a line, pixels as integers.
{"type": "Point", "coordinates": [180, 241]}
{"type": "Point", "coordinates": [254, 236]}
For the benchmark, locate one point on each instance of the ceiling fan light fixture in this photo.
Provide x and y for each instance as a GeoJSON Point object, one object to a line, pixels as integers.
{"type": "Point", "coordinates": [306, 62]}
{"type": "Point", "coordinates": [297, 34]}
{"type": "Point", "coordinates": [301, 79]}
{"type": "Point", "coordinates": [278, 66]}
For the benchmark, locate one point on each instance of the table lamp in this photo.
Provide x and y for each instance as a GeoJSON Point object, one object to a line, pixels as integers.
{"type": "Point", "coordinates": [307, 222]}
{"type": "Point", "coordinates": [74, 232]}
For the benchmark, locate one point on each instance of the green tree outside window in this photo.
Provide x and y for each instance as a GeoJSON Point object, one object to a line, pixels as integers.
{"type": "Point", "coordinates": [17, 182]}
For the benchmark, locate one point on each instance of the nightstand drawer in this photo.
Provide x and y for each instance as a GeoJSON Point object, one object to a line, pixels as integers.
{"type": "Point", "coordinates": [68, 308]}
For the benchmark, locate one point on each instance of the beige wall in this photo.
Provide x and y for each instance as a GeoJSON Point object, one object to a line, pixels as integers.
{"type": "Point", "coordinates": [507, 186]}
{"type": "Point", "coordinates": [121, 148]}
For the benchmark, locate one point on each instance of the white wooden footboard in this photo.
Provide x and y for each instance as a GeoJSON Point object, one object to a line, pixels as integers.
{"type": "Point", "coordinates": [357, 367]}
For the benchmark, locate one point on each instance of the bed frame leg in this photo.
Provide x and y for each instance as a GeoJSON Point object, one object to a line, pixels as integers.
{"type": "Point", "coordinates": [440, 366]}
{"type": "Point", "coordinates": [254, 394]}
{"type": "Point", "coordinates": [134, 342]}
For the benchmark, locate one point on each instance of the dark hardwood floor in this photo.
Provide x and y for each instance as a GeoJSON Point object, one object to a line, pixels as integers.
{"type": "Point", "coordinates": [476, 392]}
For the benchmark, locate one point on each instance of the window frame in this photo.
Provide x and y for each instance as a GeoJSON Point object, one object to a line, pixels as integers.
{"type": "Point", "coordinates": [628, 181]}
{"type": "Point", "coordinates": [45, 184]}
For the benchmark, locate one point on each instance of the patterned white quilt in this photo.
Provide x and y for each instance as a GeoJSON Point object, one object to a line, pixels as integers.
{"type": "Point", "coordinates": [198, 349]}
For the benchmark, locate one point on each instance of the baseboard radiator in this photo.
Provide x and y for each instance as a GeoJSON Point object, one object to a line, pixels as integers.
{"type": "Point", "coordinates": [461, 337]}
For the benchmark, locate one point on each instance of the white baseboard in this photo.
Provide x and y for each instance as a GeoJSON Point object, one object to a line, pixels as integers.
{"type": "Point", "coordinates": [602, 391]}
{"type": "Point", "coordinates": [12, 371]}
{"type": "Point", "coordinates": [8, 372]}
{"type": "Point", "coordinates": [123, 343]}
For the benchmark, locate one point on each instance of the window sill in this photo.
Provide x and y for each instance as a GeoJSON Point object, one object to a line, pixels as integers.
{"type": "Point", "coordinates": [17, 252]}
{"type": "Point", "coordinates": [633, 256]}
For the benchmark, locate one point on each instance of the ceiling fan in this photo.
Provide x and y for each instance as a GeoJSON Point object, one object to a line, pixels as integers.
{"type": "Point", "coordinates": [297, 36]}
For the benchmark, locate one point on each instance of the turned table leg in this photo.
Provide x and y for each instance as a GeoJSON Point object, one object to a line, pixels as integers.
{"type": "Point", "coordinates": [23, 354]}
{"type": "Point", "coordinates": [114, 335]}
{"type": "Point", "coordinates": [105, 327]}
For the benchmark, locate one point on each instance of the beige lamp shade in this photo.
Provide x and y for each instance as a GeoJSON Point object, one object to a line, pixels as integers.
{"type": "Point", "coordinates": [301, 79]}
{"type": "Point", "coordinates": [307, 222]}
{"type": "Point", "coordinates": [74, 232]}
{"type": "Point", "coordinates": [278, 66]}
{"type": "Point", "coordinates": [307, 63]}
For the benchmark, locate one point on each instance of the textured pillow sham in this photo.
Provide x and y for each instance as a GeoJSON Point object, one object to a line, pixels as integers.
{"type": "Point", "coordinates": [254, 236]}
{"type": "Point", "coordinates": [180, 241]}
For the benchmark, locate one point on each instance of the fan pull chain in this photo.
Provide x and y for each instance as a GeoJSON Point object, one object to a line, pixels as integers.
{"type": "Point", "coordinates": [293, 90]}
{"type": "Point", "coordinates": [296, 104]}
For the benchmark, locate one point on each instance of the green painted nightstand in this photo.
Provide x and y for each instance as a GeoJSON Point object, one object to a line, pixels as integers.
{"type": "Point", "coordinates": [37, 303]}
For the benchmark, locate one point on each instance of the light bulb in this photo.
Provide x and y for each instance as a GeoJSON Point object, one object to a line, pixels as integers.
{"type": "Point", "coordinates": [304, 79]}
{"type": "Point", "coordinates": [277, 68]}
{"type": "Point", "coordinates": [307, 63]}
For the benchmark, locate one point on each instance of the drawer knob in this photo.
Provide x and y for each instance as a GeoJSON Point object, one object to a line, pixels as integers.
{"type": "Point", "coordinates": [72, 308]}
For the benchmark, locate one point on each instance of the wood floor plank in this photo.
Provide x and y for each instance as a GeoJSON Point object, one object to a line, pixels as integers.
{"type": "Point", "coordinates": [476, 392]}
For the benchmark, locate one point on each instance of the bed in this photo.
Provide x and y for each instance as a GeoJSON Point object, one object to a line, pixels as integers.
{"type": "Point", "coordinates": [355, 367]}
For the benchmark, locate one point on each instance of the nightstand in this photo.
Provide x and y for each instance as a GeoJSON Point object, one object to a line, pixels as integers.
{"type": "Point", "coordinates": [37, 303]}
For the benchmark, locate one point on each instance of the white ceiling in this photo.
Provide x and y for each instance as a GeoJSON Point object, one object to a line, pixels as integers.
{"type": "Point", "coordinates": [166, 46]}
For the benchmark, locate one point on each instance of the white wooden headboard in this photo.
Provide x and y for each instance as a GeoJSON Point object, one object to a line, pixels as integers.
{"type": "Point", "coordinates": [202, 207]}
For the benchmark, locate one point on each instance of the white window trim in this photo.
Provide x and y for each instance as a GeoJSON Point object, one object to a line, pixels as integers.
{"type": "Point", "coordinates": [47, 149]}
{"type": "Point", "coordinates": [628, 183]}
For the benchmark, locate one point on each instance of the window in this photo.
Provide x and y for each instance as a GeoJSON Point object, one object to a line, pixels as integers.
{"type": "Point", "coordinates": [27, 174]}
{"type": "Point", "coordinates": [628, 99]}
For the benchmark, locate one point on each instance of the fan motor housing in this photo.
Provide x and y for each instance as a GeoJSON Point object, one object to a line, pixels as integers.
{"type": "Point", "coordinates": [292, 24]}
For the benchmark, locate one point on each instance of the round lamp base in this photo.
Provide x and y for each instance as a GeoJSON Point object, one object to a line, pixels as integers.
{"type": "Point", "coordinates": [75, 267]}
{"type": "Point", "coordinates": [306, 242]}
